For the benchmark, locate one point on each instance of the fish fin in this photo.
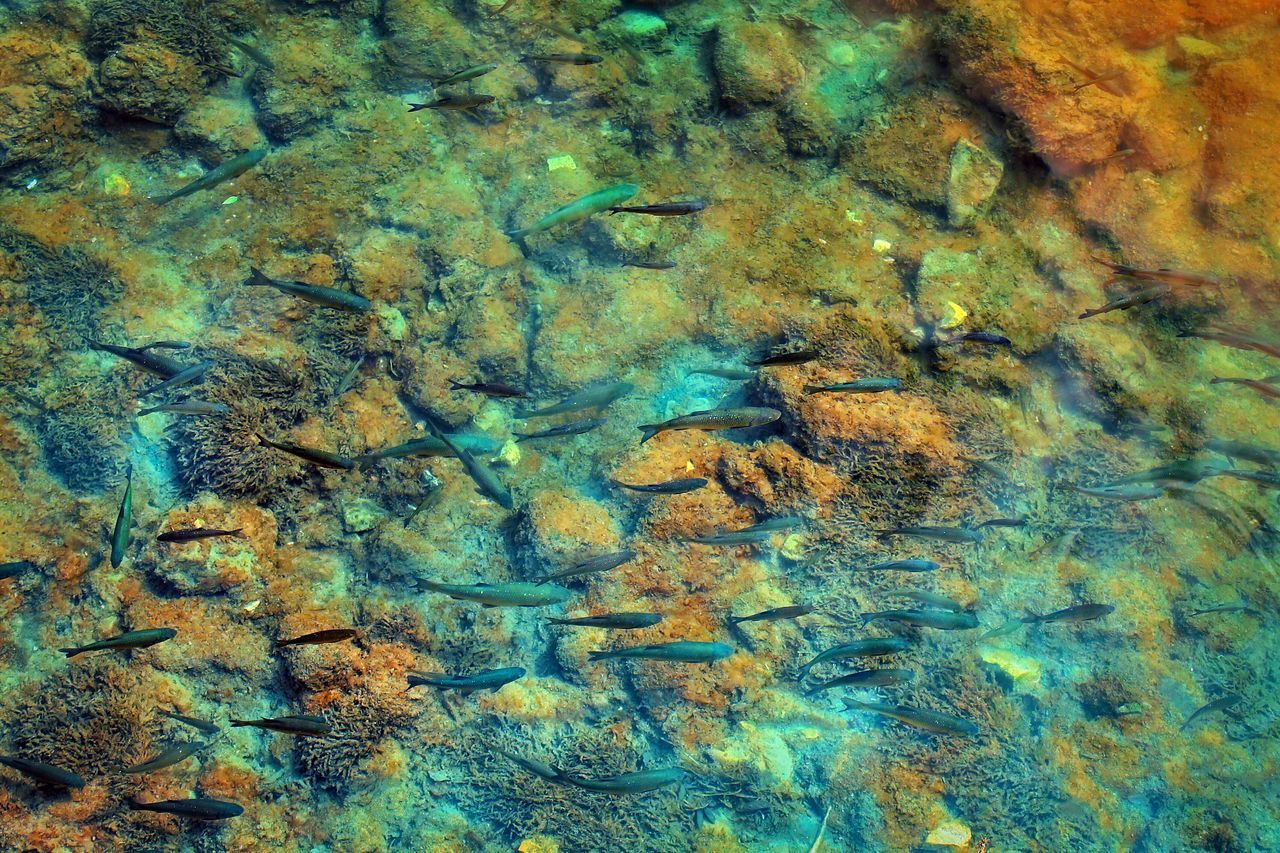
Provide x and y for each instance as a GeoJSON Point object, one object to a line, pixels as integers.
{"type": "Point", "coordinates": [257, 279]}
{"type": "Point", "coordinates": [649, 431]}
{"type": "Point", "coordinates": [1216, 380]}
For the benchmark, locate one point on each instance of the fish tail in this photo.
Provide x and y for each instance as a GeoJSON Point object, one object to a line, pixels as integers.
{"type": "Point", "coordinates": [804, 672]}
{"type": "Point", "coordinates": [72, 652]}
{"type": "Point", "coordinates": [519, 233]}
{"type": "Point", "coordinates": [148, 411]}
{"type": "Point", "coordinates": [599, 655]}
{"type": "Point", "coordinates": [257, 279]}
{"type": "Point", "coordinates": [649, 431]}
{"type": "Point", "coordinates": [413, 108]}
{"type": "Point", "coordinates": [554, 621]}
{"type": "Point", "coordinates": [455, 385]}
{"type": "Point", "coordinates": [812, 389]}
{"type": "Point", "coordinates": [238, 723]}
{"type": "Point", "coordinates": [1217, 380]}
{"type": "Point", "coordinates": [735, 620]}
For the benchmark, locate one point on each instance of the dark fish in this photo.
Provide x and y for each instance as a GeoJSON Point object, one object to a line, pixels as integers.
{"type": "Point", "coordinates": [867, 648]}
{"type": "Point", "coordinates": [129, 640]}
{"type": "Point", "coordinates": [573, 428]}
{"type": "Point", "coordinates": [348, 378]}
{"type": "Point", "coordinates": [1129, 300]}
{"type": "Point", "coordinates": [670, 208]}
{"type": "Point", "coordinates": [1263, 387]}
{"type": "Point", "coordinates": [168, 757]}
{"type": "Point", "coordinates": [1227, 608]}
{"type": "Point", "coordinates": [329, 297]}
{"type": "Point", "coordinates": [595, 565]}
{"type": "Point", "coordinates": [943, 620]}
{"type": "Point", "coordinates": [1076, 613]}
{"type": "Point", "coordinates": [194, 722]}
{"type": "Point", "coordinates": [736, 374]}
{"type": "Point", "coordinates": [463, 103]}
{"type": "Point", "coordinates": [165, 345]}
{"type": "Point", "coordinates": [931, 721]}
{"type": "Point", "coordinates": [17, 567]}
{"type": "Point", "coordinates": [748, 535]}
{"type": "Point", "coordinates": [196, 808]}
{"type": "Point", "coordinates": [316, 638]}
{"type": "Point", "coordinates": [639, 782]}
{"type": "Point", "coordinates": [489, 389]}
{"type": "Point", "coordinates": [323, 458]}
{"type": "Point", "coordinates": [793, 611]}
{"type": "Point", "coordinates": [909, 565]}
{"type": "Point", "coordinates": [1183, 471]}
{"type": "Point", "coordinates": [802, 356]}
{"type": "Point", "coordinates": [1001, 522]}
{"type": "Point", "coordinates": [932, 599]}
{"type": "Point", "coordinates": [432, 446]}
{"type": "Point", "coordinates": [858, 386]}
{"type": "Point", "coordinates": [569, 58]}
{"type": "Point", "coordinates": [739, 417]}
{"type": "Point", "coordinates": [533, 765]}
{"type": "Point", "coordinates": [1237, 339]}
{"type": "Point", "coordinates": [232, 168]}
{"type": "Point", "coordinates": [124, 521]}
{"type": "Point", "coordinates": [489, 679]}
{"type": "Point", "coordinates": [466, 74]}
{"type": "Point", "coordinates": [956, 535]}
{"type": "Point", "coordinates": [1220, 704]}
{"type": "Point", "coordinates": [487, 482]}
{"type": "Point", "coordinates": [865, 678]}
{"type": "Point", "coordinates": [978, 338]}
{"type": "Point", "coordinates": [195, 534]}
{"type": "Point", "coordinates": [188, 407]}
{"type": "Point", "coordinates": [1162, 275]}
{"type": "Point", "coordinates": [46, 773]}
{"type": "Point", "coordinates": [1243, 450]}
{"type": "Point", "coordinates": [305, 725]}
{"type": "Point", "coordinates": [594, 397]}
{"type": "Point", "coordinates": [680, 651]}
{"type": "Point", "coordinates": [1134, 492]}
{"type": "Point", "coordinates": [160, 365]}
{"type": "Point", "coordinates": [621, 621]}
{"type": "Point", "coordinates": [182, 377]}
{"type": "Point", "coordinates": [670, 487]}
{"type": "Point", "coordinates": [503, 594]}
{"type": "Point", "coordinates": [649, 265]}
{"type": "Point", "coordinates": [252, 52]}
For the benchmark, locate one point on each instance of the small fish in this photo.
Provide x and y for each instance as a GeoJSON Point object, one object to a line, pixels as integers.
{"type": "Point", "coordinates": [304, 725]}
{"type": "Point", "coordinates": [232, 168]}
{"type": "Point", "coordinates": [348, 378]}
{"type": "Point", "coordinates": [128, 640]}
{"type": "Point", "coordinates": [489, 679]}
{"type": "Point", "coordinates": [670, 208]}
{"type": "Point", "coordinates": [932, 599]}
{"type": "Point", "coordinates": [432, 446]}
{"type": "Point", "coordinates": [1104, 81]}
{"type": "Point", "coordinates": [15, 568]}
{"type": "Point", "coordinates": [182, 377]}
{"type": "Point", "coordinates": [735, 374]}
{"type": "Point", "coordinates": [858, 386]}
{"type": "Point", "coordinates": [487, 481]}
{"type": "Point", "coordinates": [594, 397]}
{"type": "Point", "coordinates": [329, 297]}
{"type": "Point", "coordinates": [196, 808]}
{"type": "Point", "coordinates": [188, 407]}
{"type": "Point", "coordinates": [802, 356]}
{"type": "Point", "coordinates": [1237, 339]}
{"type": "Point", "coordinates": [1076, 613]}
{"type": "Point", "coordinates": [1136, 492]}
{"type": "Point", "coordinates": [595, 565]}
{"type": "Point", "coordinates": [46, 773]}
{"type": "Point", "coordinates": [649, 265]}
{"type": "Point", "coordinates": [1220, 704]}
{"type": "Point", "coordinates": [252, 52]}
{"type": "Point", "coordinates": [921, 718]}
{"type": "Point", "coordinates": [1001, 522]}
{"type": "Point", "coordinates": [567, 58]}
{"type": "Point", "coordinates": [1227, 608]}
{"type": "Point", "coordinates": [620, 621]}
{"type": "Point", "coordinates": [195, 533]}
{"type": "Point", "coordinates": [160, 365]}
{"type": "Point", "coordinates": [168, 757]}
{"type": "Point", "coordinates": [793, 611]}
{"type": "Point", "coordinates": [489, 389]}
{"type": "Point", "coordinates": [912, 564]}
{"type": "Point", "coordinates": [165, 345]}
{"type": "Point", "coordinates": [1263, 387]}
{"type": "Point", "coordinates": [740, 417]}
{"type": "Point", "coordinates": [638, 782]}
{"type": "Point", "coordinates": [533, 765]}
{"type": "Point", "coordinates": [866, 648]}
{"type": "Point", "coordinates": [194, 722]}
{"type": "Point", "coordinates": [124, 521]}
{"type": "Point", "coordinates": [1129, 300]}
{"type": "Point", "coordinates": [978, 338]}
{"type": "Point", "coordinates": [1243, 450]}
{"type": "Point", "coordinates": [503, 594]}
{"type": "Point", "coordinates": [680, 651]}
{"type": "Point", "coordinates": [955, 535]}
{"type": "Point", "coordinates": [760, 532]}
{"type": "Point", "coordinates": [323, 458]}
{"type": "Point", "coordinates": [574, 428]}
{"type": "Point", "coordinates": [466, 74]}
{"type": "Point", "coordinates": [576, 211]}
{"type": "Point", "coordinates": [670, 487]}
{"type": "Point", "coordinates": [865, 678]}
{"type": "Point", "coordinates": [462, 103]}
{"type": "Point", "coordinates": [1183, 471]}
{"type": "Point", "coordinates": [943, 620]}
{"type": "Point", "coordinates": [1162, 275]}
{"type": "Point", "coordinates": [316, 638]}
{"type": "Point", "coordinates": [1010, 627]}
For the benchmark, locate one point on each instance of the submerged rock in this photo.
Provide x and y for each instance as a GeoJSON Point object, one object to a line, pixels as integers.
{"type": "Point", "coordinates": [149, 81]}
{"type": "Point", "coordinates": [755, 65]}
{"type": "Point", "coordinates": [975, 175]}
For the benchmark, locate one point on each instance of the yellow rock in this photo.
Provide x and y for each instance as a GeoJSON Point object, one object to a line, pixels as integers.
{"type": "Point", "coordinates": [539, 844]}
{"type": "Point", "coordinates": [950, 833]}
{"type": "Point", "coordinates": [562, 162]}
{"type": "Point", "coordinates": [115, 184]}
{"type": "Point", "coordinates": [793, 546]}
{"type": "Point", "coordinates": [1023, 670]}
{"type": "Point", "coordinates": [509, 454]}
{"type": "Point", "coordinates": [953, 316]}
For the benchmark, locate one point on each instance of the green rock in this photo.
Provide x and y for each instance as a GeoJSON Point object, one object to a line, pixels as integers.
{"type": "Point", "coordinates": [975, 175]}
{"type": "Point", "coordinates": [641, 27]}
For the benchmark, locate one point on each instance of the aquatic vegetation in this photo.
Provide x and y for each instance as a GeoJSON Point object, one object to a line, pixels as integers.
{"type": "Point", "coordinates": [360, 720]}
{"type": "Point", "coordinates": [71, 289]}
{"type": "Point", "coordinates": [85, 450]}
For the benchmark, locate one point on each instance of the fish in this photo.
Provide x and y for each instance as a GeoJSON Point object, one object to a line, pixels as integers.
{"type": "Point", "coordinates": [792, 611]}
{"type": "Point", "coordinates": [129, 640]}
{"type": "Point", "coordinates": [1243, 450]}
{"type": "Point", "coordinates": [865, 678]}
{"type": "Point", "coordinates": [1237, 339]}
{"type": "Point", "coordinates": [1222, 703]}
{"type": "Point", "coordinates": [638, 782]}
{"type": "Point", "coordinates": [465, 74]}
{"type": "Point", "coordinates": [912, 564]}
{"type": "Point", "coordinates": [736, 374]}
{"type": "Point", "coordinates": [680, 651]}
{"type": "Point", "coordinates": [670, 208]}
{"type": "Point", "coordinates": [576, 211]}
{"type": "Point", "coordinates": [932, 599]}
{"type": "Point", "coordinates": [503, 594]}
{"type": "Point", "coordinates": [1135, 492]}
{"type": "Point", "coordinates": [489, 679]}
{"type": "Point", "coordinates": [920, 718]}
{"type": "Point", "coordinates": [865, 648]}
{"type": "Point", "coordinates": [1163, 275]}
{"type": "Point", "coordinates": [124, 521]}
{"type": "Point", "coordinates": [153, 362]}
{"type": "Point", "coordinates": [978, 338]}
{"type": "Point", "coordinates": [857, 386]}
{"type": "Point", "coordinates": [15, 568]}
{"type": "Point", "coordinates": [533, 765]}
{"type": "Point", "coordinates": [195, 808]}
{"type": "Point", "coordinates": [232, 168]}
{"type": "Point", "coordinates": [323, 458]}
{"type": "Point", "coordinates": [649, 265]}
{"type": "Point", "coordinates": [593, 397]}
{"type": "Point", "coordinates": [188, 407]}
{"type": "Point", "coordinates": [303, 725]}
{"type": "Point", "coordinates": [315, 638]}
{"type": "Point", "coordinates": [348, 378]}
{"type": "Point", "coordinates": [1103, 81]}
{"type": "Point", "coordinates": [1001, 522]}
{"type": "Point", "coordinates": [1227, 608]}
{"type": "Point", "coordinates": [45, 773]}
{"type": "Point", "coordinates": [1182, 471]}
{"type": "Point", "coordinates": [167, 757]}
{"type": "Point", "coordinates": [954, 535]}
{"type": "Point", "coordinates": [329, 297]}
{"type": "Point", "coordinates": [748, 535]}
{"type": "Point", "coordinates": [1076, 613]}
{"type": "Point", "coordinates": [165, 345]}
{"type": "Point", "coordinates": [463, 103]}
{"type": "Point", "coordinates": [1004, 630]}
{"type": "Point", "coordinates": [670, 487]}
{"type": "Point", "coordinates": [194, 722]}
{"type": "Point", "coordinates": [739, 417]}
{"type": "Point", "coordinates": [595, 565]}
{"type": "Point", "coordinates": [196, 533]}
{"type": "Point", "coordinates": [793, 357]}
{"type": "Point", "coordinates": [487, 482]}
{"type": "Point", "coordinates": [252, 52]}
{"type": "Point", "coordinates": [1129, 300]}
{"type": "Point", "coordinates": [432, 446]}
{"type": "Point", "coordinates": [573, 428]}
{"type": "Point", "coordinates": [182, 377]}
{"type": "Point", "coordinates": [620, 621]}
{"type": "Point", "coordinates": [943, 620]}
{"type": "Point", "coordinates": [567, 58]}
{"type": "Point", "coordinates": [489, 389]}
{"type": "Point", "coordinates": [1263, 387]}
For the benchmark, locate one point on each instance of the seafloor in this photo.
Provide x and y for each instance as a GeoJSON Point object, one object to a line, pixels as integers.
{"type": "Point", "coordinates": [880, 180]}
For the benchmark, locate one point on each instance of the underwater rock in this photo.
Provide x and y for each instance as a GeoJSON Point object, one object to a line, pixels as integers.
{"type": "Point", "coordinates": [218, 129]}
{"type": "Point", "coordinates": [308, 86]}
{"type": "Point", "coordinates": [560, 527]}
{"type": "Point", "coordinates": [637, 27]}
{"type": "Point", "coordinates": [947, 276]}
{"type": "Point", "coordinates": [149, 81]}
{"type": "Point", "coordinates": [425, 41]}
{"type": "Point", "coordinates": [44, 91]}
{"type": "Point", "coordinates": [808, 125]}
{"type": "Point", "coordinates": [755, 64]}
{"type": "Point", "coordinates": [975, 175]}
